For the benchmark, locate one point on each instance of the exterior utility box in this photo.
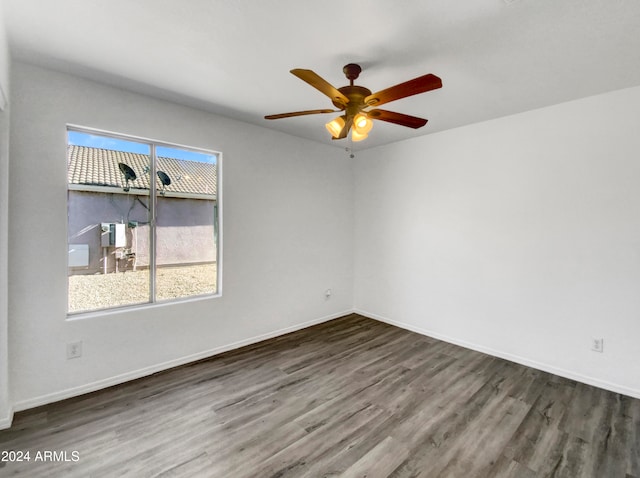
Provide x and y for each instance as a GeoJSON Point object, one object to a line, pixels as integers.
{"type": "Point", "coordinates": [78, 255]}
{"type": "Point", "coordinates": [113, 235]}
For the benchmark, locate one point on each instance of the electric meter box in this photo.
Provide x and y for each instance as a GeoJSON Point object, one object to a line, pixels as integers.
{"type": "Point", "coordinates": [113, 235]}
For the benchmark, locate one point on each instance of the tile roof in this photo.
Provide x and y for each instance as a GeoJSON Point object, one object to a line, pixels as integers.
{"type": "Point", "coordinates": [99, 167]}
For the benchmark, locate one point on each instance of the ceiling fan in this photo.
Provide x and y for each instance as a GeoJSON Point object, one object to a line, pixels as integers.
{"type": "Point", "coordinates": [355, 102]}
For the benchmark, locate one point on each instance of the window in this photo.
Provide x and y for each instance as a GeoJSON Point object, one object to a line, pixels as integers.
{"type": "Point", "coordinates": [143, 222]}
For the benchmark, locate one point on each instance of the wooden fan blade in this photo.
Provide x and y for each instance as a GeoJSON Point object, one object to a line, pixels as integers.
{"type": "Point", "coordinates": [299, 113]}
{"type": "Point", "coordinates": [408, 88]}
{"type": "Point", "coordinates": [345, 129]}
{"type": "Point", "coordinates": [397, 118]}
{"type": "Point", "coordinates": [321, 85]}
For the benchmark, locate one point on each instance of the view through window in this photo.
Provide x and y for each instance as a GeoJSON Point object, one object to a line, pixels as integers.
{"type": "Point", "coordinates": [142, 221]}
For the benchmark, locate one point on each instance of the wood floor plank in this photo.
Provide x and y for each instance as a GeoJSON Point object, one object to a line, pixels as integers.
{"type": "Point", "coordinates": [351, 397]}
{"type": "Point", "coordinates": [379, 461]}
{"type": "Point", "coordinates": [506, 468]}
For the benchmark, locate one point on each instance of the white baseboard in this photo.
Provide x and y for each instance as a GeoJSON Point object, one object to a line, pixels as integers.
{"type": "Point", "coordinates": [5, 422]}
{"type": "Point", "coordinates": [135, 374]}
{"type": "Point", "coordinates": [612, 387]}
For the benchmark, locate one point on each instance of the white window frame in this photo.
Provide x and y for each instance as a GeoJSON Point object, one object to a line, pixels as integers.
{"type": "Point", "coordinates": [153, 144]}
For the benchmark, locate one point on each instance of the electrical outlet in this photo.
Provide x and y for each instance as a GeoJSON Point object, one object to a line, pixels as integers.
{"type": "Point", "coordinates": [74, 350]}
{"type": "Point", "coordinates": [327, 293]}
{"type": "Point", "coordinates": [597, 345]}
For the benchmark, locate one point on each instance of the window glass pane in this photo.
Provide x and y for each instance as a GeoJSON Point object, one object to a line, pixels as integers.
{"type": "Point", "coordinates": [108, 222]}
{"type": "Point", "coordinates": [186, 223]}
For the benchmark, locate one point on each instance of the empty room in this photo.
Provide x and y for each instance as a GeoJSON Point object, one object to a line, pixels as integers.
{"type": "Point", "coordinates": [310, 239]}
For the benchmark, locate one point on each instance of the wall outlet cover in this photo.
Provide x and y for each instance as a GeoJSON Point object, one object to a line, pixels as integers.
{"type": "Point", "coordinates": [597, 345]}
{"type": "Point", "coordinates": [74, 350]}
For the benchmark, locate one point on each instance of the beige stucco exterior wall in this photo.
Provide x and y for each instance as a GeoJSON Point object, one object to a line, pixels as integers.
{"type": "Point", "coordinates": [185, 229]}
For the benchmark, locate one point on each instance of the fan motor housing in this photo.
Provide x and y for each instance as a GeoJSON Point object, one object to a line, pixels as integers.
{"type": "Point", "coordinates": [356, 95]}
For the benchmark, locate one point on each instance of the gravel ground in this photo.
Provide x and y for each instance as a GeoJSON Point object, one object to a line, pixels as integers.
{"type": "Point", "coordinates": [91, 292]}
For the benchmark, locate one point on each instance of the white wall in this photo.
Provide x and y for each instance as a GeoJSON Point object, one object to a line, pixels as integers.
{"type": "Point", "coordinates": [4, 61]}
{"type": "Point", "coordinates": [5, 406]}
{"type": "Point", "coordinates": [518, 236]}
{"type": "Point", "coordinates": [287, 232]}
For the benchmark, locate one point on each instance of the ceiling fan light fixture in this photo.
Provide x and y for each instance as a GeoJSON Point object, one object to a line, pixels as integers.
{"type": "Point", "coordinates": [362, 124]}
{"type": "Point", "coordinates": [353, 100]}
{"type": "Point", "coordinates": [356, 136]}
{"type": "Point", "coordinates": [335, 126]}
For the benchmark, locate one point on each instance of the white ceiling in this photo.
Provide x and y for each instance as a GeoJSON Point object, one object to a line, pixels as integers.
{"type": "Point", "coordinates": [232, 57]}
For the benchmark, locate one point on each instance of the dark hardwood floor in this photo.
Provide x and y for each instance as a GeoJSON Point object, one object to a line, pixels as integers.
{"type": "Point", "coordinates": [351, 397]}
